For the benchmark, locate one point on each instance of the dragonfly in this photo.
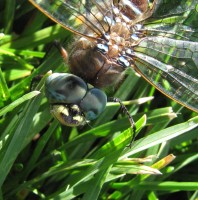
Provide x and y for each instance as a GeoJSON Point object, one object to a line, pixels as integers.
{"type": "Point", "coordinates": [154, 38]}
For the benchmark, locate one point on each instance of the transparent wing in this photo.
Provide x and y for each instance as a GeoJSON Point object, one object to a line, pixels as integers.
{"type": "Point", "coordinates": [168, 56]}
{"type": "Point", "coordinates": [91, 18]}
{"type": "Point", "coordinates": [169, 8]}
{"type": "Point", "coordinates": [79, 16]}
{"type": "Point", "coordinates": [179, 82]}
{"type": "Point", "coordinates": [177, 19]}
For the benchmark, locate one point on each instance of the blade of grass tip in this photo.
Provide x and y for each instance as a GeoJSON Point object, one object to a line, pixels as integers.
{"type": "Point", "coordinates": [19, 101]}
{"type": "Point", "coordinates": [161, 136]}
{"type": "Point", "coordinates": [133, 168]}
{"type": "Point", "coordinates": [140, 178]}
{"type": "Point", "coordinates": [21, 131]}
{"type": "Point", "coordinates": [130, 102]}
{"type": "Point", "coordinates": [160, 115]}
{"type": "Point", "coordinates": [164, 161]}
{"type": "Point", "coordinates": [160, 164]}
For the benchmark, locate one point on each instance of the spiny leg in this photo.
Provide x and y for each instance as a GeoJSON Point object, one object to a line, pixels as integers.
{"type": "Point", "coordinates": [125, 110]}
{"type": "Point", "coordinates": [62, 50]}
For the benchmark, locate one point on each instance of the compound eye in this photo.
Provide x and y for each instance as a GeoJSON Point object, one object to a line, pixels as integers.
{"type": "Point", "coordinates": [65, 88]}
{"type": "Point", "coordinates": [93, 103]}
{"type": "Point", "coordinates": [69, 115]}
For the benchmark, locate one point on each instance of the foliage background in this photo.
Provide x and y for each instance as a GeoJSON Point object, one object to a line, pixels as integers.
{"type": "Point", "coordinates": [41, 159]}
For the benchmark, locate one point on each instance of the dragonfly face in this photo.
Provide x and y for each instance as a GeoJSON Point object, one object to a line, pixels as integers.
{"type": "Point", "coordinates": [72, 101]}
{"type": "Point", "coordinates": [117, 34]}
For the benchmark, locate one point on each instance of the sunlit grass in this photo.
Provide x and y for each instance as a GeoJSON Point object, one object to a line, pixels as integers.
{"type": "Point", "coordinates": [41, 159]}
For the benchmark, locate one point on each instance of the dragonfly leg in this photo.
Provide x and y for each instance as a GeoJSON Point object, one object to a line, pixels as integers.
{"type": "Point", "coordinates": [62, 50]}
{"type": "Point", "coordinates": [125, 111]}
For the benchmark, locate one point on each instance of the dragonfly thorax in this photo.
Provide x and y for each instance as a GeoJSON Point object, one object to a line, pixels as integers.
{"type": "Point", "coordinates": [92, 62]}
